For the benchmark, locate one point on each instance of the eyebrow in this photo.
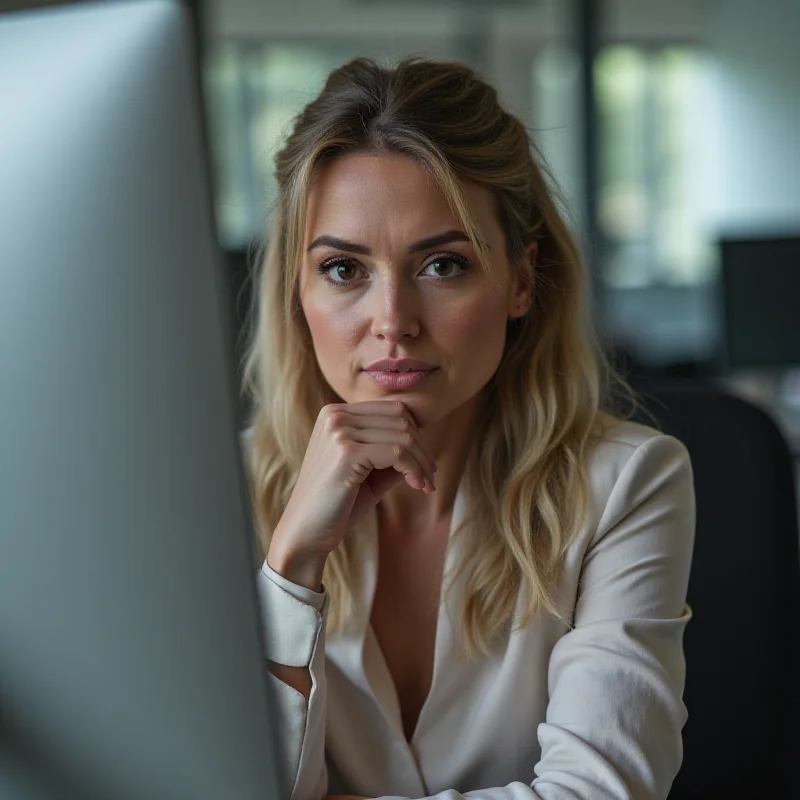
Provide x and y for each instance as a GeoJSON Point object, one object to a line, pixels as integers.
{"type": "Point", "coordinates": [423, 244]}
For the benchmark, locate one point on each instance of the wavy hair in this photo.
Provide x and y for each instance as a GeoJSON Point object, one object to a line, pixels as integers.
{"type": "Point", "coordinates": [525, 476]}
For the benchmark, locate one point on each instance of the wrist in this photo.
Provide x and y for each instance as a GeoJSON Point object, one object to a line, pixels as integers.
{"type": "Point", "coordinates": [301, 569]}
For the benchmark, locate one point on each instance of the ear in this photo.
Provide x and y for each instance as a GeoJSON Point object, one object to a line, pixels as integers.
{"type": "Point", "coordinates": [520, 297]}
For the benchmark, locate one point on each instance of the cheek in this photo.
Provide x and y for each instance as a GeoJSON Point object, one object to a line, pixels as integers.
{"type": "Point", "coordinates": [324, 325]}
{"type": "Point", "coordinates": [331, 319]}
{"type": "Point", "coordinates": [333, 335]}
{"type": "Point", "coordinates": [477, 326]}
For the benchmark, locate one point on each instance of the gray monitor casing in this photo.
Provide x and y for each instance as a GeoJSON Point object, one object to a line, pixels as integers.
{"type": "Point", "coordinates": [131, 652]}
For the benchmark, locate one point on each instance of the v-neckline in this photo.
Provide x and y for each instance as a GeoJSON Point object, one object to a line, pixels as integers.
{"type": "Point", "coordinates": [385, 688]}
{"type": "Point", "coordinates": [374, 664]}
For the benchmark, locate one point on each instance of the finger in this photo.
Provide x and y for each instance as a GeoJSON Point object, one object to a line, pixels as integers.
{"type": "Point", "coordinates": [383, 408]}
{"type": "Point", "coordinates": [393, 455]}
{"type": "Point", "coordinates": [397, 424]}
{"type": "Point", "coordinates": [401, 453]}
{"type": "Point", "coordinates": [382, 481]}
{"type": "Point", "coordinates": [411, 470]}
{"type": "Point", "coordinates": [404, 439]}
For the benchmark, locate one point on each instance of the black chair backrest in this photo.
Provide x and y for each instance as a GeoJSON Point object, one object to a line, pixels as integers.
{"type": "Point", "coordinates": [742, 645]}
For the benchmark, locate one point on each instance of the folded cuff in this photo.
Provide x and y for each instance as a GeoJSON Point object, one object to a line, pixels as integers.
{"type": "Point", "coordinates": [291, 624]}
{"type": "Point", "coordinates": [315, 599]}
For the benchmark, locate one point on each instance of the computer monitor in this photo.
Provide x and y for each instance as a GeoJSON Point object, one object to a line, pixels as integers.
{"type": "Point", "coordinates": [761, 297]}
{"type": "Point", "coordinates": [131, 647]}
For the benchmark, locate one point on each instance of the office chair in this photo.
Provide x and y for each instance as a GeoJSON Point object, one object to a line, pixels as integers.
{"type": "Point", "coordinates": [743, 643]}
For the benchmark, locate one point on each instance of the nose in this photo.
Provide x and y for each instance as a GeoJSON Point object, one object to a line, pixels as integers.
{"type": "Point", "coordinates": [395, 313]}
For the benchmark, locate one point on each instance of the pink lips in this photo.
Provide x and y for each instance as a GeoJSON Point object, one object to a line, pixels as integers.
{"type": "Point", "coordinates": [398, 373]}
{"type": "Point", "coordinates": [404, 364]}
{"type": "Point", "coordinates": [398, 380]}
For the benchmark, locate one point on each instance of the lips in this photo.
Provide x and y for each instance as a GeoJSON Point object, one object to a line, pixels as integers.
{"type": "Point", "coordinates": [399, 365]}
{"type": "Point", "coordinates": [398, 381]}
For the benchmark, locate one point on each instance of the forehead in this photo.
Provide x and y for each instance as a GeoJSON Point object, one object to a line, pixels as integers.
{"type": "Point", "coordinates": [382, 193]}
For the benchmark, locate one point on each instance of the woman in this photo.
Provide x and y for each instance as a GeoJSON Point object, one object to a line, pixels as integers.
{"type": "Point", "coordinates": [475, 577]}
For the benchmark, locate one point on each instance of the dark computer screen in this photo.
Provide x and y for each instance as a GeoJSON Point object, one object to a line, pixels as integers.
{"type": "Point", "coordinates": [761, 296]}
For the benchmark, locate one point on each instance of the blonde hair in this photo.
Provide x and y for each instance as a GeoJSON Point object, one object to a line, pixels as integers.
{"type": "Point", "coordinates": [525, 480]}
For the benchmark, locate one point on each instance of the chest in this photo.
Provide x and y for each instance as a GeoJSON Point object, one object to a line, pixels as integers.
{"type": "Point", "coordinates": [404, 618]}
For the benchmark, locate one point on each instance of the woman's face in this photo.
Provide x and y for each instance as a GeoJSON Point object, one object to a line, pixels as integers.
{"type": "Point", "coordinates": [388, 274]}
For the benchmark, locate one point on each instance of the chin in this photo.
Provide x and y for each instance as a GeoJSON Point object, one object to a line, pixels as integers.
{"type": "Point", "coordinates": [427, 411]}
{"type": "Point", "coordinates": [420, 410]}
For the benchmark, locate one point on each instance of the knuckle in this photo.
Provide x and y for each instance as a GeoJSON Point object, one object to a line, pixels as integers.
{"type": "Point", "coordinates": [341, 436]}
{"type": "Point", "coordinates": [335, 420]}
{"type": "Point", "coordinates": [405, 423]}
{"type": "Point", "coordinates": [408, 439]}
{"type": "Point", "coordinates": [398, 450]}
{"type": "Point", "coordinates": [348, 446]}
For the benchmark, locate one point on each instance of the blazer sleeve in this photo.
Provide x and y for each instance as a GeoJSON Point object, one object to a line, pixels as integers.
{"type": "Point", "coordinates": [615, 714]}
{"type": "Point", "coordinates": [294, 621]}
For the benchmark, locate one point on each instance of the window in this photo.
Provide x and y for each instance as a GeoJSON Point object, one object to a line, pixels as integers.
{"type": "Point", "coordinates": [646, 118]}
{"type": "Point", "coordinates": [253, 92]}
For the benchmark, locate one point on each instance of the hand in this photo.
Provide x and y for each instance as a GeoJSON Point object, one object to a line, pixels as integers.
{"type": "Point", "coordinates": [356, 454]}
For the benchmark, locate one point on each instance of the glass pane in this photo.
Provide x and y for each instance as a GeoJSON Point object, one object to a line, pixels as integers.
{"type": "Point", "coordinates": [223, 97]}
{"type": "Point", "coordinates": [253, 92]}
{"type": "Point", "coordinates": [283, 79]}
{"type": "Point", "coordinates": [557, 122]}
{"type": "Point", "coordinates": [685, 254]}
{"type": "Point", "coordinates": [622, 82]}
{"type": "Point", "coordinates": [652, 231]}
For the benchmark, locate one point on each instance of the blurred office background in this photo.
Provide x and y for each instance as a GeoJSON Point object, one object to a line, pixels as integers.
{"type": "Point", "coordinates": [672, 128]}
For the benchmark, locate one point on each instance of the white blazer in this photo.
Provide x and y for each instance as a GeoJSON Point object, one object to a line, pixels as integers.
{"type": "Point", "coordinates": [595, 711]}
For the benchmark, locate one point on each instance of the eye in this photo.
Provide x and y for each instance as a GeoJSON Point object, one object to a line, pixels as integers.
{"type": "Point", "coordinates": [448, 267]}
{"type": "Point", "coordinates": [338, 271]}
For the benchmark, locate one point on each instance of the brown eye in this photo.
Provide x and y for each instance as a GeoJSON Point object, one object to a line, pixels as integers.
{"type": "Point", "coordinates": [444, 267]}
{"type": "Point", "coordinates": [344, 271]}
{"type": "Point", "coordinates": [447, 268]}
{"type": "Point", "coordinates": [338, 272]}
